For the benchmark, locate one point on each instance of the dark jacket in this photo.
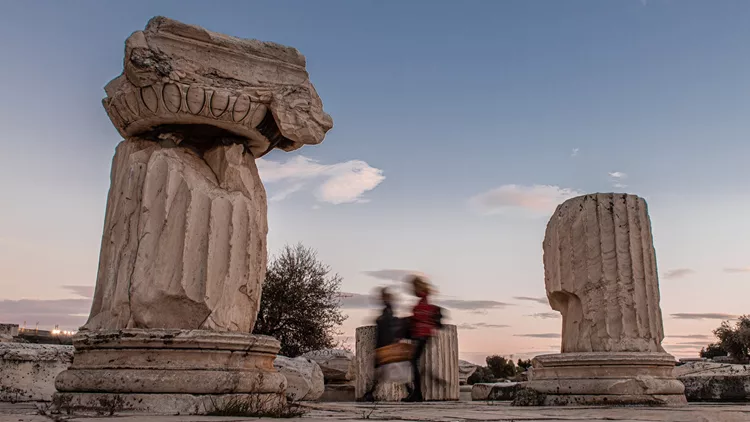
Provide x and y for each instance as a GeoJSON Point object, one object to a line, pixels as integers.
{"type": "Point", "coordinates": [387, 325]}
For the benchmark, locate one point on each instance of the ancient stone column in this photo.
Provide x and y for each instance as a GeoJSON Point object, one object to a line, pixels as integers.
{"type": "Point", "coordinates": [439, 366]}
{"type": "Point", "coordinates": [600, 274]}
{"type": "Point", "coordinates": [183, 251]}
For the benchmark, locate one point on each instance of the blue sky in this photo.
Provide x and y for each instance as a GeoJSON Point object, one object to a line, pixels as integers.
{"type": "Point", "coordinates": [449, 116]}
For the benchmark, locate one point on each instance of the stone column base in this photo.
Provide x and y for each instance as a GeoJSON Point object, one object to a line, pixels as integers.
{"type": "Point", "coordinates": [439, 366]}
{"type": "Point", "coordinates": [185, 369]}
{"type": "Point", "coordinates": [258, 404]}
{"type": "Point", "coordinates": [602, 378]}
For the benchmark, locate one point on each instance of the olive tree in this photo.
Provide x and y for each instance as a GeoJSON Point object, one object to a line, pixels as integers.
{"type": "Point", "coordinates": [300, 304]}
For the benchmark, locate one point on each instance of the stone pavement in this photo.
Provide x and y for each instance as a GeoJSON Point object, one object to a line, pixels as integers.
{"type": "Point", "coordinates": [437, 412]}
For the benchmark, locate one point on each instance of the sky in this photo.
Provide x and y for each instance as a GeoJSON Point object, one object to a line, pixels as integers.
{"type": "Point", "coordinates": [458, 127]}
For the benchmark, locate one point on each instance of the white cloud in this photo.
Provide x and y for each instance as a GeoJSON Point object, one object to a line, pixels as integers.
{"type": "Point", "coordinates": [392, 274]}
{"type": "Point", "coordinates": [83, 291]}
{"type": "Point", "coordinates": [284, 193]}
{"type": "Point", "coordinates": [338, 183]}
{"type": "Point", "coordinates": [678, 273]}
{"type": "Point", "coordinates": [536, 198]}
{"type": "Point", "coordinates": [616, 178]}
{"type": "Point", "coordinates": [691, 315]}
{"type": "Point", "coordinates": [574, 153]}
{"type": "Point", "coordinates": [542, 300]}
{"type": "Point", "coordinates": [737, 270]}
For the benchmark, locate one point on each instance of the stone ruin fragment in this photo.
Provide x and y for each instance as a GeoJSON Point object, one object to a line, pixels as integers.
{"type": "Point", "coordinates": [600, 274]}
{"type": "Point", "coordinates": [183, 252]}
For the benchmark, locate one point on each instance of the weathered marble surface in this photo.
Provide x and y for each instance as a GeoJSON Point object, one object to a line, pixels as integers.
{"type": "Point", "coordinates": [337, 364]}
{"type": "Point", "coordinates": [600, 274]}
{"type": "Point", "coordinates": [303, 376]}
{"type": "Point", "coordinates": [156, 404]}
{"type": "Point", "coordinates": [465, 370]}
{"type": "Point", "coordinates": [502, 391]}
{"type": "Point", "coordinates": [9, 329]}
{"type": "Point", "coordinates": [343, 392]}
{"type": "Point", "coordinates": [184, 242]}
{"type": "Point", "coordinates": [28, 371]}
{"type": "Point", "coordinates": [502, 411]}
{"type": "Point", "coordinates": [431, 412]}
{"type": "Point", "coordinates": [179, 74]}
{"type": "Point", "coordinates": [183, 253]}
{"type": "Point", "coordinates": [709, 381]}
{"type": "Point", "coordinates": [365, 339]}
{"type": "Point", "coordinates": [172, 362]}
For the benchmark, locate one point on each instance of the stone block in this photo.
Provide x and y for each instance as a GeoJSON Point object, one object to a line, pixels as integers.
{"type": "Point", "coordinates": [337, 364]}
{"type": "Point", "coordinates": [497, 391]}
{"type": "Point", "coordinates": [28, 371]}
{"type": "Point", "coordinates": [714, 382]}
{"type": "Point", "coordinates": [338, 393]}
{"type": "Point", "coordinates": [464, 393]}
{"type": "Point", "coordinates": [9, 329]}
{"type": "Point", "coordinates": [599, 378]}
{"type": "Point", "coordinates": [173, 362]}
{"type": "Point", "coordinates": [465, 370]}
{"type": "Point", "coordinates": [304, 378]}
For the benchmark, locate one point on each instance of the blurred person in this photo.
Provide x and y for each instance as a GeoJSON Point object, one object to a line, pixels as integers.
{"type": "Point", "coordinates": [387, 328]}
{"type": "Point", "coordinates": [425, 320]}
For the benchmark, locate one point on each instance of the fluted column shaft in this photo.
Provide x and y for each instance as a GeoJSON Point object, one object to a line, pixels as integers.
{"type": "Point", "coordinates": [600, 273]}
{"type": "Point", "coordinates": [184, 243]}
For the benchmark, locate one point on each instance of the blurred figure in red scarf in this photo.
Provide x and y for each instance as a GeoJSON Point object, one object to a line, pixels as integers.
{"type": "Point", "coordinates": [425, 319]}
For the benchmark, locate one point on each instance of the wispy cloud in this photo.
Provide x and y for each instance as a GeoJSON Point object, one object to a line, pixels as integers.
{"type": "Point", "coordinates": [286, 192]}
{"type": "Point", "coordinates": [540, 335]}
{"type": "Point", "coordinates": [703, 316]}
{"type": "Point", "coordinates": [705, 336]}
{"type": "Point", "coordinates": [69, 314]}
{"type": "Point", "coordinates": [546, 315]}
{"type": "Point", "coordinates": [480, 325]}
{"type": "Point", "coordinates": [542, 199]}
{"type": "Point", "coordinates": [693, 343]}
{"type": "Point", "coordinates": [470, 305]}
{"type": "Point", "coordinates": [737, 270]}
{"type": "Point", "coordinates": [683, 346]}
{"type": "Point", "coordinates": [338, 183]}
{"type": "Point", "coordinates": [542, 300]}
{"type": "Point", "coordinates": [677, 273]}
{"type": "Point", "coordinates": [574, 153]}
{"type": "Point", "coordinates": [617, 177]}
{"type": "Point", "coordinates": [363, 301]}
{"type": "Point", "coordinates": [391, 274]}
{"type": "Point", "coordinates": [357, 301]}
{"type": "Point", "coordinates": [83, 291]}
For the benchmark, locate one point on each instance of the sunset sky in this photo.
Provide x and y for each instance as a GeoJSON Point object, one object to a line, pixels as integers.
{"type": "Point", "coordinates": [458, 127]}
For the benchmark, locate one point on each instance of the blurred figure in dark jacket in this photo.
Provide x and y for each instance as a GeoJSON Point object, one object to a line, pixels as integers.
{"type": "Point", "coordinates": [388, 327]}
